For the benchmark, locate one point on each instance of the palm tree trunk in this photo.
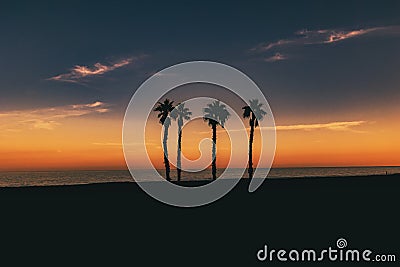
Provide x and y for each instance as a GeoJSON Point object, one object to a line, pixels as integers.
{"type": "Point", "coordinates": [214, 153]}
{"type": "Point", "coordinates": [178, 157]}
{"type": "Point", "coordinates": [165, 147]}
{"type": "Point", "coordinates": [250, 170]}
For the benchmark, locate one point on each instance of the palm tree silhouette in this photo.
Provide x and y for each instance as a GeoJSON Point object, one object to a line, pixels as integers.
{"type": "Point", "coordinates": [164, 110]}
{"type": "Point", "coordinates": [180, 113]}
{"type": "Point", "coordinates": [254, 113]}
{"type": "Point", "coordinates": [215, 114]}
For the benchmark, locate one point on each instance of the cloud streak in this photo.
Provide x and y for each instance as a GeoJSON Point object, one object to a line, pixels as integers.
{"type": "Point", "coordinates": [323, 36]}
{"type": "Point", "coordinates": [331, 126]}
{"type": "Point", "coordinates": [78, 72]}
{"type": "Point", "coordinates": [268, 46]}
{"type": "Point", "coordinates": [47, 118]}
{"type": "Point", "coordinates": [334, 126]}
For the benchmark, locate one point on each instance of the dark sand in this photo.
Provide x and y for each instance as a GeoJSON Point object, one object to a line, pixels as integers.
{"type": "Point", "coordinates": [118, 224]}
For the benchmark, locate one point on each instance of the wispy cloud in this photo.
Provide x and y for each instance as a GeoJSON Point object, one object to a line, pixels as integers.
{"type": "Point", "coordinates": [332, 36]}
{"type": "Point", "coordinates": [276, 57]}
{"type": "Point", "coordinates": [334, 126]}
{"type": "Point", "coordinates": [78, 72]}
{"type": "Point", "coordinates": [47, 118]}
{"type": "Point", "coordinates": [268, 46]}
{"type": "Point", "coordinates": [323, 36]}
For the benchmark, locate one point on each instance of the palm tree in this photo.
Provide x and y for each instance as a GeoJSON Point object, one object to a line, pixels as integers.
{"type": "Point", "coordinates": [254, 113]}
{"type": "Point", "coordinates": [164, 110]}
{"type": "Point", "coordinates": [180, 113]}
{"type": "Point", "coordinates": [215, 114]}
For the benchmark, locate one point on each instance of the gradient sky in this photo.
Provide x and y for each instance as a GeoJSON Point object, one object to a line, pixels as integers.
{"type": "Point", "coordinates": [330, 72]}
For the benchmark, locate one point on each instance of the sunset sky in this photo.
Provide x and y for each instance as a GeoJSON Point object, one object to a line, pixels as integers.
{"type": "Point", "coordinates": [330, 72]}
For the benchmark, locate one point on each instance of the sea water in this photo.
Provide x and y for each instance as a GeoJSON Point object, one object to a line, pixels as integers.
{"type": "Point", "coordinates": [47, 178]}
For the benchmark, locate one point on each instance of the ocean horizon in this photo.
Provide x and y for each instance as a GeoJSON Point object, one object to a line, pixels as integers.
{"type": "Point", "coordinates": [76, 177]}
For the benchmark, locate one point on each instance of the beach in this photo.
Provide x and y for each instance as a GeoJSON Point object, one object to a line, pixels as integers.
{"type": "Point", "coordinates": [117, 223]}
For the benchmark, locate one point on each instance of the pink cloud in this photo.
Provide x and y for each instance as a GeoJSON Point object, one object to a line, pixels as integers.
{"type": "Point", "coordinates": [323, 36]}
{"type": "Point", "coordinates": [78, 72]}
{"type": "Point", "coordinates": [343, 35]}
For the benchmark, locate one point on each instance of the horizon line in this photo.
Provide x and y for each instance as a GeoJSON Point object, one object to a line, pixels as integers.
{"type": "Point", "coordinates": [161, 169]}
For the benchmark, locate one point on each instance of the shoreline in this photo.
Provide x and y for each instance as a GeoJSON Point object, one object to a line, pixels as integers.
{"type": "Point", "coordinates": [375, 179]}
{"type": "Point", "coordinates": [76, 178]}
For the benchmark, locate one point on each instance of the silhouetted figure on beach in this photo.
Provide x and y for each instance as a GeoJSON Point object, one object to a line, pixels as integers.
{"type": "Point", "coordinates": [254, 113]}
{"type": "Point", "coordinates": [164, 109]}
{"type": "Point", "coordinates": [180, 113]}
{"type": "Point", "coordinates": [215, 114]}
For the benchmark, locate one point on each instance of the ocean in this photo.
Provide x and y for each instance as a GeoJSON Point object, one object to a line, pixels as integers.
{"type": "Point", "coordinates": [49, 178]}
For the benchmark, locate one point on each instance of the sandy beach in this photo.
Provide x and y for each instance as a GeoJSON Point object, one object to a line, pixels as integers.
{"type": "Point", "coordinates": [116, 223]}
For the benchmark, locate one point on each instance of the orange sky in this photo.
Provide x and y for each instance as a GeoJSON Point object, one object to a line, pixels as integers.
{"type": "Point", "coordinates": [92, 140]}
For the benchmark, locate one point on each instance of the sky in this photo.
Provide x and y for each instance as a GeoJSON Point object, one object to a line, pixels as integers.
{"type": "Point", "coordinates": [328, 69]}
